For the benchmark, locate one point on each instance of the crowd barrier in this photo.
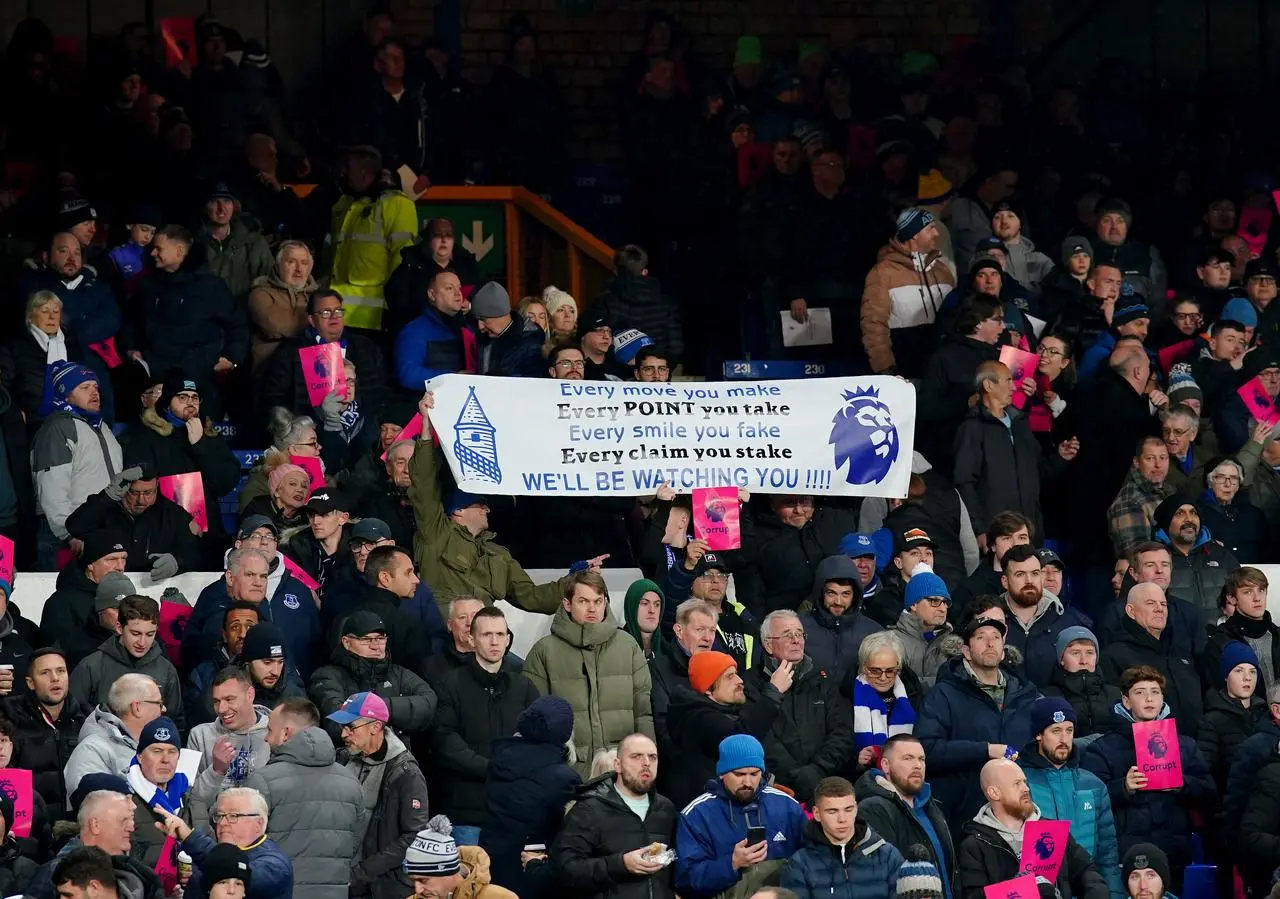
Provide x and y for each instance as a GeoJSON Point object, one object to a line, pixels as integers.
{"type": "Point", "coordinates": [34, 588]}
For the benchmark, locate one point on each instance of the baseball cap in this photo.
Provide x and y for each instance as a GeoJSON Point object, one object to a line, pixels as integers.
{"type": "Point", "coordinates": [711, 561]}
{"type": "Point", "coordinates": [252, 523]}
{"type": "Point", "coordinates": [460, 499]}
{"type": "Point", "coordinates": [363, 622]}
{"type": "Point", "coordinates": [370, 530]}
{"type": "Point", "coordinates": [1049, 557]}
{"type": "Point", "coordinates": [973, 625]}
{"type": "Point", "coordinates": [1260, 268]}
{"type": "Point", "coordinates": [323, 502]}
{"type": "Point", "coordinates": [911, 538]}
{"type": "Point", "coordinates": [361, 705]}
{"type": "Point", "coordinates": [855, 546]}
{"type": "Point", "coordinates": [593, 323]}
{"type": "Point", "coordinates": [221, 191]}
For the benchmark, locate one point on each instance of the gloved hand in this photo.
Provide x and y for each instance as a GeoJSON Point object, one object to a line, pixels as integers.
{"type": "Point", "coordinates": [163, 565]}
{"type": "Point", "coordinates": [331, 412]}
{"type": "Point", "coordinates": [120, 486]}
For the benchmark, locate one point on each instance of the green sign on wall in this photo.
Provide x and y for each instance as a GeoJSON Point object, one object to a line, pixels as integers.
{"type": "Point", "coordinates": [479, 228]}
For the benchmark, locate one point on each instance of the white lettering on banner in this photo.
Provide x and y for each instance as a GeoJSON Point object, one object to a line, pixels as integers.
{"type": "Point", "coordinates": [527, 436]}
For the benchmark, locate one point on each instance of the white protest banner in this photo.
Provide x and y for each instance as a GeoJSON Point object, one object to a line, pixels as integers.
{"type": "Point", "coordinates": [528, 436]}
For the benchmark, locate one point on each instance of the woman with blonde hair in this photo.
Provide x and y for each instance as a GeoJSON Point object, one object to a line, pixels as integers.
{"type": "Point", "coordinates": [562, 311]}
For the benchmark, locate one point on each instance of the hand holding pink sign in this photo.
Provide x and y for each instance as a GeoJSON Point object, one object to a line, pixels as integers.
{"type": "Point", "coordinates": [15, 785]}
{"type": "Point", "coordinates": [411, 431]}
{"type": "Point", "coordinates": [6, 560]}
{"type": "Point", "coordinates": [1044, 843]}
{"type": "Point", "coordinates": [1159, 757]}
{"type": "Point", "coordinates": [1260, 404]}
{"type": "Point", "coordinates": [1021, 365]}
{"type": "Point", "coordinates": [322, 371]}
{"type": "Point", "coordinates": [717, 517]}
{"type": "Point", "coordinates": [1023, 887]}
{"type": "Point", "coordinates": [311, 465]}
{"type": "Point", "coordinates": [187, 490]}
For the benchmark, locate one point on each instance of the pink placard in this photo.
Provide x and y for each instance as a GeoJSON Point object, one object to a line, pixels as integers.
{"type": "Point", "coordinates": [187, 490]}
{"type": "Point", "coordinates": [6, 560]}
{"type": "Point", "coordinates": [296, 570]}
{"type": "Point", "coordinates": [1023, 887]}
{"type": "Point", "coordinates": [311, 465]}
{"type": "Point", "coordinates": [1022, 365]}
{"type": "Point", "coordinates": [716, 517]}
{"type": "Point", "coordinates": [15, 783]}
{"type": "Point", "coordinates": [411, 431]}
{"type": "Point", "coordinates": [1254, 227]}
{"type": "Point", "coordinates": [1044, 843]}
{"type": "Point", "coordinates": [174, 617]}
{"type": "Point", "coordinates": [1159, 756]}
{"type": "Point", "coordinates": [322, 371]}
{"type": "Point", "coordinates": [1259, 403]}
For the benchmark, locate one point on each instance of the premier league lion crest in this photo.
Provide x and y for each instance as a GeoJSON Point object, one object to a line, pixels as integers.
{"type": "Point", "coordinates": [865, 437]}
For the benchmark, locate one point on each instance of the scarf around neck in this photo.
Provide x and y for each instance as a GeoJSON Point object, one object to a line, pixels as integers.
{"type": "Point", "coordinates": [169, 799]}
{"type": "Point", "coordinates": [55, 347]}
{"type": "Point", "coordinates": [873, 722]}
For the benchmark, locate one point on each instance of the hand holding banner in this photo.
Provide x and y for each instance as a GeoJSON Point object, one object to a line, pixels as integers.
{"type": "Point", "coordinates": [1259, 403]}
{"type": "Point", "coordinates": [6, 561]}
{"type": "Point", "coordinates": [717, 517]}
{"type": "Point", "coordinates": [1044, 844]}
{"type": "Point", "coordinates": [311, 465]}
{"type": "Point", "coordinates": [1159, 756]}
{"type": "Point", "coordinates": [535, 436]}
{"type": "Point", "coordinates": [1021, 364]}
{"type": "Point", "coordinates": [322, 371]}
{"type": "Point", "coordinates": [1023, 887]}
{"type": "Point", "coordinates": [187, 490]}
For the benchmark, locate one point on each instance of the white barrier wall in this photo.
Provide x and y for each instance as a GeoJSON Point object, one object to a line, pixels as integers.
{"type": "Point", "coordinates": [34, 588]}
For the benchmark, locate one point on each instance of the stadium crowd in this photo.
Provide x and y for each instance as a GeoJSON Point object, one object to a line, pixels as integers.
{"type": "Point", "coordinates": [875, 697]}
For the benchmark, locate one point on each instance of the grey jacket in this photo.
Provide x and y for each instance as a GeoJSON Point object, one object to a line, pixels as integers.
{"type": "Point", "coordinates": [317, 813]}
{"type": "Point", "coordinates": [252, 752]}
{"type": "Point", "coordinates": [105, 746]}
{"type": "Point", "coordinates": [71, 461]}
{"type": "Point", "coordinates": [1027, 265]}
{"type": "Point", "coordinates": [924, 657]}
{"type": "Point", "coordinates": [92, 678]}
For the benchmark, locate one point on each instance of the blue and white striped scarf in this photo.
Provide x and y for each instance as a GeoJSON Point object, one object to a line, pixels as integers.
{"type": "Point", "coordinates": [873, 723]}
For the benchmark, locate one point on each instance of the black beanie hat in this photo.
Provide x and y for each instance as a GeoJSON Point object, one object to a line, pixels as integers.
{"type": "Point", "coordinates": [175, 382]}
{"type": "Point", "coordinates": [1146, 855]}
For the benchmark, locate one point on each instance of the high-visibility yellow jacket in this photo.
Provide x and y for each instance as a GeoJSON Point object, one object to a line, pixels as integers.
{"type": "Point", "coordinates": [366, 235]}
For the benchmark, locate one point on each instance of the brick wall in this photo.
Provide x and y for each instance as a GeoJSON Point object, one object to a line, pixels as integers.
{"type": "Point", "coordinates": [588, 53]}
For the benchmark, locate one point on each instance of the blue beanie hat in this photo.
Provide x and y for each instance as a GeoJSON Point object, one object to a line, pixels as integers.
{"type": "Point", "coordinates": [1074, 634]}
{"type": "Point", "coordinates": [923, 585]}
{"type": "Point", "coordinates": [161, 730]}
{"type": "Point", "coordinates": [1239, 310]}
{"type": "Point", "coordinates": [1048, 711]}
{"type": "Point", "coordinates": [740, 751]}
{"type": "Point", "coordinates": [911, 222]}
{"type": "Point", "coordinates": [60, 380]}
{"type": "Point", "coordinates": [1237, 653]}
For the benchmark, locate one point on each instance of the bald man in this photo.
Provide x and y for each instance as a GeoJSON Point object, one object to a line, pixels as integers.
{"type": "Point", "coordinates": [1145, 638]}
{"type": "Point", "coordinates": [992, 846]}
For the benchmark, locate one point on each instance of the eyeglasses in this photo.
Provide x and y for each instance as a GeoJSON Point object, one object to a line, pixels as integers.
{"type": "Point", "coordinates": [159, 702]}
{"type": "Point", "coordinates": [1175, 432]}
{"type": "Point", "coordinates": [717, 576]}
{"type": "Point", "coordinates": [936, 602]}
{"type": "Point", "coordinates": [357, 726]}
{"type": "Point", "coordinates": [312, 442]}
{"type": "Point", "coordinates": [327, 314]}
{"type": "Point", "coordinates": [655, 369]}
{"type": "Point", "coordinates": [371, 639]}
{"type": "Point", "coordinates": [142, 494]}
{"type": "Point", "coordinates": [231, 817]}
{"type": "Point", "coordinates": [577, 365]}
{"type": "Point", "coordinates": [1187, 316]}
{"type": "Point", "coordinates": [790, 636]}
{"type": "Point", "coordinates": [1051, 351]}
{"type": "Point", "coordinates": [187, 397]}
{"type": "Point", "coordinates": [1225, 478]}
{"type": "Point", "coordinates": [879, 673]}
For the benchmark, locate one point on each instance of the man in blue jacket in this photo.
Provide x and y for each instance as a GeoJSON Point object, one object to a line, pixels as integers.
{"type": "Point", "coordinates": [437, 341]}
{"type": "Point", "coordinates": [843, 858]}
{"type": "Point", "coordinates": [978, 711]}
{"type": "Point", "coordinates": [1066, 792]}
{"type": "Point", "coordinates": [717, 849]}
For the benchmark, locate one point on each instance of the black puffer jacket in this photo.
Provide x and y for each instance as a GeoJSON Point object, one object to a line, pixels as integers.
{"type": "Point", "coordinates": [888, 814]}
{"type": "Point", "coordinates": [668, 672]}
{"type": "Point", "coordinates": [529, 784]}
{"type": "Point", "coordinates": [411, 702]}
{"type": "Point", "coordinates": [280, 381]}
{"type": "Point", "coordinates": [476, 708]}
{"type": "Point", "coordinates": [165, 527]}
{"type": "Point", "coordinates": [786, 558]}
{"type": "Point", "coordinates": [1133, 646]}
{"type": "Point", "coordinates": [985, 858]}
{"type": "Point", "coordinates": [406, 289]}
{"type": "Point", "coordinates": [1225, 725]}
{"type": "Point", "coordinates": [812, 737]}
{"type": "Point", "coordinates": [943, 395]}
{"type": "Point", "coordinates": [994, 473]}
{"type": "Point", "coordinates": [1091, 697]}
{"type": "Point", "coordinates": [43, 748]}
{"type": "Point", "coordinates": [1156, 816]}
{"type": "Point", "coordinates": [1257, 844]}
{"type": "Point", "coordinates": [397, 816]}
{"type": "Point", "coordinates": [186, 319]}
{"type": "Point", "coordinates": [629, 302]}
{"type": "Point", "coordinates": [68, 620]}
{"type": "Point", "coordinates": [599, 830]}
